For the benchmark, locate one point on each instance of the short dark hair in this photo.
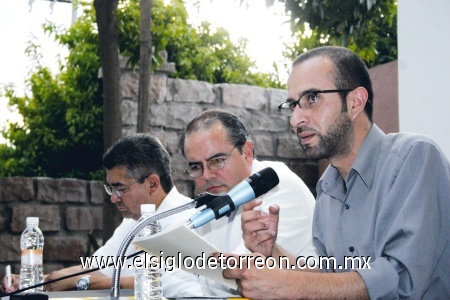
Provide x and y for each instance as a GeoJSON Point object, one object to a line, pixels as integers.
{"type": "Point", "coordinates": [237, 133]}
{"type": "Point", "coordinates": [141, 155]}
{"type": "Point", "coordinates": [350, 71]}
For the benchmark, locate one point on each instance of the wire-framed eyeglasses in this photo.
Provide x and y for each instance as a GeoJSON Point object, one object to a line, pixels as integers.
{"type": "Point", "coordinates": [213, 164]}
{"type": "Point", "coordinates": [122, 189]}
{"type": "Point", "coordinates": [307, 100]}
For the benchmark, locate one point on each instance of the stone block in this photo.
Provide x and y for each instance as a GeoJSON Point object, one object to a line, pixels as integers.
{"type": "Point", "coordinates": [179, 163]}
{"type": "Point", "coordinates": [129, 129]}
{"type": "Point", "coordinates": [97, 191]}
{"type": "Point", "coordinates": [244, 96]}
{"type": "Point", "coordinates": [130, 85]}
{"type": "Point", "coordinates": [169, 138]}
{"type": "Point", "coordinates": [263, 145]}
{"type": "Point", "coordinates": [173, 116]}
{"type": "Point", "coordinates": [185, 187]}
{"type": "Point", "coordinates": [289, 147]}
{"type": "Point", "coordinates": [129, 112]}
{"type": "Point", "coordinates": [10, 249]}
{"type": "Point", "coordinates": [16, 189]}
{"type": "Point", "coordinates": [158, 88]}
{"type": "Point", "coordinates": [84, 218]}
{"type": "Point", "coordinates": [181, 90]}
{"type": "Point", "coordinates": [66, 248]}
{"type": "Point", "coordinates": [159, 133]}
{"type": "Point", "coordinates": [173, 142]}
{"type": "Point", "coordinates": [260, 121]}
{"type": "Point", "coordinates": [5, 220]}
{"type": "Point", "coordinates": [61, 190]}
{"type": "Point", "coordinates": [49, 217]}
{"type": "Point", "coordinates": [276, 97]}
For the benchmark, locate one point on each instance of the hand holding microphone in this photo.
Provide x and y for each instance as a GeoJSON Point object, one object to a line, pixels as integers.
{"type": "Point", "coordinates": [247, 190]}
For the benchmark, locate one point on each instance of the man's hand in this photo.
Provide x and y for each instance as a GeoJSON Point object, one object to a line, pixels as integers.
{"type": "Point", "coordinates": [255, 283]}
{"type": "Point", "coordinates": [14, 283]}
{"type": "Point", "coordinates": [259, 229]}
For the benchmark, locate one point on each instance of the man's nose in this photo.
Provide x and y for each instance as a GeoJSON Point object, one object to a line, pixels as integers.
{"type": "Point", "coordinates": [299, 117]}
{"type": "Point", "coordinates": [115, 198]}
{"type": "Point", "coordinates": [207, 173]}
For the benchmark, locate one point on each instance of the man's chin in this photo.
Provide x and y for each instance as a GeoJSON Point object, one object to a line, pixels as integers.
{"type": "Point", "coordinates": [314, 154]}
{"type": "Point", "coordinates": [129, 215]}
{"type": "Point", "coordinates": [217, 191]}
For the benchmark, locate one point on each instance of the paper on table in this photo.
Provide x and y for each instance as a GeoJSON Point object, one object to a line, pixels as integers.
{"type": "Point", "coordinates": [182, 242]}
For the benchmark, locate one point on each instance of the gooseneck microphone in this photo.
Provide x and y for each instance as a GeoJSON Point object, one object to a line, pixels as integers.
{"type": "Point", "coordinates": [216, 207]}
{"type": "Point", "coordinates": [254, 186]}
{"type": "Point", "coordinates": [247, 190]}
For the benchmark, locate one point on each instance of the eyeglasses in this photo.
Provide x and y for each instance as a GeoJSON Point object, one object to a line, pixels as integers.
{"type": "Point", "coordinates": [307, 100]}
{"type": "Point", "coordinates": [120, 190]}
{"type": "Point", "coordinates": [213, 164]}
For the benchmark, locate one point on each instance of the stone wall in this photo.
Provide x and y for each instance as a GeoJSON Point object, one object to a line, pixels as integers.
{"type": "Point", "coordinates": [175, 102]}
{"type": "Point", "coordinates": [68, 210]}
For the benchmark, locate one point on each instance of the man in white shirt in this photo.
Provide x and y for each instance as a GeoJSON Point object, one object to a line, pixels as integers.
{"type": "Point", "coordinates": [220, 155]}
{"type": "Point", "coordinates": [138, 171]}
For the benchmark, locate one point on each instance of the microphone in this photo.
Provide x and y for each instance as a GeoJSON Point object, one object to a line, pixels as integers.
{"type": "Point", "coordinates": [254, 186]}
{"type": "Point", "coordinates": [247, 190]}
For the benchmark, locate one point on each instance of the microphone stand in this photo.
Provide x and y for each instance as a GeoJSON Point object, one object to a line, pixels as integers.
{"type": "Point", "coordinates": [115, 289]}
{"type": "Point", "coordinates": [196, 202]}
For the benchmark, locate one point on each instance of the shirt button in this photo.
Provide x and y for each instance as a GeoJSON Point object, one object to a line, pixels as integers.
{"type": "Point", "coordinates": [347, 206]}
{"type": "Point", "coordinates": [351, 249]}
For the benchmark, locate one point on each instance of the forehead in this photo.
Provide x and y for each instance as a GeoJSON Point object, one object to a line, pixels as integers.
{"type": "Point", "coordinates": [313, 73]}
{"type": "Point", "coordinates": [206, 142]}
{"type": "Point", "coordinates": [116, 175]}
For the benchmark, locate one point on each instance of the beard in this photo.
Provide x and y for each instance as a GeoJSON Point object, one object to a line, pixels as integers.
{"type": "Point", "coordinates": [335, 142]}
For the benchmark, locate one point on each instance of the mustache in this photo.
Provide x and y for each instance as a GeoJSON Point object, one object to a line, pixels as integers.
{"type": "Point", "coordinates": [213, 182]}
{"type": "Point", "coordinates": [301, 129]}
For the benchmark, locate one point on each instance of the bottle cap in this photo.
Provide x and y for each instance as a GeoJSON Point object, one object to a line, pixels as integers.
{"type": "Point", "coordinates": [147, 208]}
{"type": "Point", "coordinates": [32, 221]}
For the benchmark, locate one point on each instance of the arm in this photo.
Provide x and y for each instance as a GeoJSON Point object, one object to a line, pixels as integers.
{"type": "Point", "coordinates": [102, 282]}
{"type": "Point", "coordinates": [97, 280]}
{"type": "Point", "coordinates": [284, 284]}
{"type": "Point", "coordinates": [411, 249]}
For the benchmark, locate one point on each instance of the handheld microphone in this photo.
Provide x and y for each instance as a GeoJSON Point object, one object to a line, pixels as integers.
{"type": "Point", "coordinates": [247, 190]}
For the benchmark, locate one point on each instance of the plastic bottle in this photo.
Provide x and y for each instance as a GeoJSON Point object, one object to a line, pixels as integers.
{"type": "Point", "coordinates": [32, 246]}
{"type": "Point", "coordinates": [147, 279]}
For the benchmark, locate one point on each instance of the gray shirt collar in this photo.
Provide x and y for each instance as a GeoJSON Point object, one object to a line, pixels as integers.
{"type": "Point", "coordinates": [364, 164]}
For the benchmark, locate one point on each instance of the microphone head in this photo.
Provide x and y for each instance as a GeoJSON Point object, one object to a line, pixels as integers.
{"type": "Point", "coordinates": [263, 181]}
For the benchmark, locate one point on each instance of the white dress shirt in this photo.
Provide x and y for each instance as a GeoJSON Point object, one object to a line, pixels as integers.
{"type": "Point", "coordinates": [176, 283]}
{"type": "Point", "coordinates": [294, 229]}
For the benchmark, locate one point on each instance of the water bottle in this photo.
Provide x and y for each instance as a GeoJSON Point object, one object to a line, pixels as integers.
{"type": "Point", "coordinates": [32, 246]}
{"type": "Point", "coordinates": [147, 278]}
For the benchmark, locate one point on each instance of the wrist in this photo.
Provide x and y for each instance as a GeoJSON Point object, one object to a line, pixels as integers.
{"type": "Point", "coordinates": [83, 283]}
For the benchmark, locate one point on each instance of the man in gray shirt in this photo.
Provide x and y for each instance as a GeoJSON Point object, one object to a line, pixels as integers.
{"type": "Point", "coordinates": [384, 199]}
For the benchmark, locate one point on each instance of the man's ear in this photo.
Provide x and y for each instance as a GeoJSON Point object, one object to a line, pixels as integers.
{"type": "Point", "coordinates": [356, 101]}
{"type": "Point", "coordinates": [247, 150]}
{"type": "Point", "coordinates": [153, 181]}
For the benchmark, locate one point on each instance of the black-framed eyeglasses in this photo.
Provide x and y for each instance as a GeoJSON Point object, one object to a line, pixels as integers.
{"type": "Point", "coordinates": [307, 100]}
{"type": "Point", "coordinates": [122, 189]}
{"type": "Point", "coordinates": [213, 164]}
